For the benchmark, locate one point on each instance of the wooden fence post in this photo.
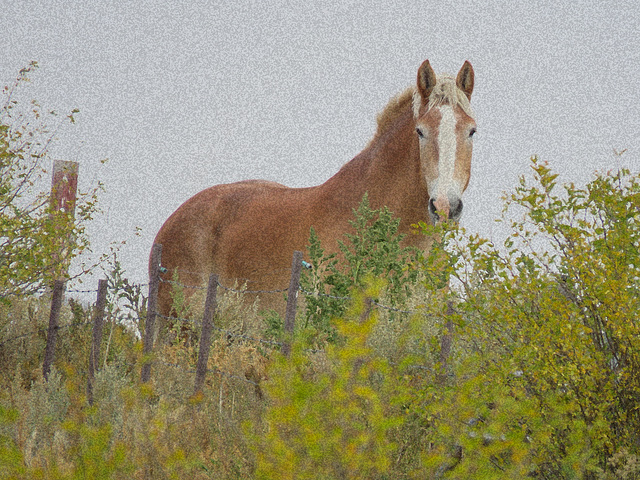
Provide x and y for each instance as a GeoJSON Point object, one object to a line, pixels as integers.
{"type": "Point", "coordinates": [210, 306]}
{"type": "Point", "coordinates": [292, 301]}
{"type": "Point", "coordinates": [152, 303]}
{"type": "Point", "coordinates": [96, 338]}
{"type": "Point", "coordinates": [64, 186]}
{"type": "Point", "coordinates": [366, 312]}
{"type": "Point", "coordinates": [56, 304]}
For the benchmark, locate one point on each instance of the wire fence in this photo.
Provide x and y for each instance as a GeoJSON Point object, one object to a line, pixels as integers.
{"type": "Point", "coordinates": [41, 331]}
{"type": "Point", "coordinates": [282, 290]}
{"type": "Point", "coordinates": [228, 333]}
{"type": "Point", "coordinates": [206, 323]}
{"type": "Point", "coordinates": [220, 285]}
{"type": "Point", "coordinates": [210, 370]}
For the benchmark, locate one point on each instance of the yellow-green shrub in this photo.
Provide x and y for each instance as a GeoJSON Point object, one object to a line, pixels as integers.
{"type": "Point", "coordinates": [330, 422]}
{"type": "Point", "coordinates": [550, 384]}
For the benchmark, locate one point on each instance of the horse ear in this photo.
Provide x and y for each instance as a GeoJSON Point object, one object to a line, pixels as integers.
{"type": "Point", "coordinates": [465, 79]}
{"type": "Point", "coordinates": [426, 81]}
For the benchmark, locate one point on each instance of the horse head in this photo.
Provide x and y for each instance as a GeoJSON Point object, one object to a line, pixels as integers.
{"type": "Point", "coordinates": [445, 126]}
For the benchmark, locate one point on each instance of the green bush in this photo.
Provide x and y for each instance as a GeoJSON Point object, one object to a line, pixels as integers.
{"type": "Point", "coordinates": [37, 244]}
{"type": "Point", "coordinates": [549, 383]}
{"type": "Point", "coordinates": [373, 250]}
{"type": "Point", "coordinates": [543, 374]}
{"type": "Point", "coordinates": [333, 423]}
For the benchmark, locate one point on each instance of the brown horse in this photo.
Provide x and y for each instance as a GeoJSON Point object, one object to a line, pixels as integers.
{"type": "Point", "coordinates": [418, 165]}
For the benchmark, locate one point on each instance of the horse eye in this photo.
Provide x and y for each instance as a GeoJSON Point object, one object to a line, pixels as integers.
{"type": "Point", "coordinates": [419, 132]}
{"type": "Point", "coordinates": [472, 132]}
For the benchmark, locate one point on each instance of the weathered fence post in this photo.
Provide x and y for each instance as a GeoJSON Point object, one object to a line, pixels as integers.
{"type": "Point", "coordinates": [210, 306]}
{"type": "Point", "coordinates": [292, 301]}
{"type": "Point", "coordinates": [364, 316]}
{"type": "Point", "coordinates": [64, 185]}
{"type": "Point", "coordinates": [152, 303]}
{"type": "Point", "coordinates": [96, 338]}
{"type": "Point", "coordinates": [56, 304]}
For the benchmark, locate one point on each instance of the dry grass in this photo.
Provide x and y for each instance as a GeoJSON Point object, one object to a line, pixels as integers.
{"type": "Point", "coordinates": [160, 430]}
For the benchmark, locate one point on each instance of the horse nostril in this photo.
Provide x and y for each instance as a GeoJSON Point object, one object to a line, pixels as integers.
{"type": "Point", "coordinates": [432, 206]}
{"type": "Point", "coordinates": [433, 211]}
{"type": "Point", "coordinates": [456, 209]}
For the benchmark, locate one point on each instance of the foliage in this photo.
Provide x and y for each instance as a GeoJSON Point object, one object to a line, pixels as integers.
{"type": "Point", "coordinates": [548, 385]}
{"type": "Point", "coordinates": [126, 300]}
{"type": "Point", "coordinates": [372, 250]}
{"type": "Point", "coordinates": [36, 244]}
{"type": "Point", "coordinates": [332, 424]}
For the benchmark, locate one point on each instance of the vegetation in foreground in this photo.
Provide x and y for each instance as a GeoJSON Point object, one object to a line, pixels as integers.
{"type": "Point", "coordinates": [541, 381]}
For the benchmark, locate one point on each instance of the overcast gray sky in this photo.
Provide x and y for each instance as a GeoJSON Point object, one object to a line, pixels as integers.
{"type": "Point", "coordinates": [180, 96]}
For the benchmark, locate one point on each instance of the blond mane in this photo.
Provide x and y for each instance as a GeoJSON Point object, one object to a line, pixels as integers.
{"type": "Point", "coordinates": [446, 92]}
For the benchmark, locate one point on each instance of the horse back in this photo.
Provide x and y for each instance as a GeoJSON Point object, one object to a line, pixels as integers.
{"type": "Point", "coordinates": [244, 231]}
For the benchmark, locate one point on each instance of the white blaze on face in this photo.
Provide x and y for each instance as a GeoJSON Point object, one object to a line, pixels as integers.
{"type": "Point", "coordinates": [445, 186]}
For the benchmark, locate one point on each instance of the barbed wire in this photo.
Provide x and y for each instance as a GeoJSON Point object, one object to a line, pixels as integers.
{"type": "Point", "coordinates": [7, 294]}
{"type": "Point", "coordinates": [228, 289]}
{"type": "Point", "coordinates": [325, 295]}
{"type": "Point", "coordinates": [95, 290]}
{"type": "Point", "coordinates": [282, 290]}
{"type": "Point", "coordinates": [67, 290]}
{"type": "Point", "coordinates": [300, 289]}
{"type": "Point", "coordinates": [209, 370]}
{"type": "Point", "coordinates": [222, 330]}
{"type": "Point", "coordinates": [228, 333]}
{"type": "Point", "coordinates": [233, 290]}
{"type": "Point", "coordinates": [174, 282]}
{"type": "Point", "coordinates": [18, 337]}
{"type": "Point", "coordinates": [43, 330]}
{"type": "Point", "coordinates": [205, 275]}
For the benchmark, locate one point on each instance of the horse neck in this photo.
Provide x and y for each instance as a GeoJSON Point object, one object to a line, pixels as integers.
{"type": "Point", "coordinates": [388, 169]}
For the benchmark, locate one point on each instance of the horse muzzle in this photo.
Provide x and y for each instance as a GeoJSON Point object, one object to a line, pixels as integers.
{"type": "Point", "coordinates": [450, 209]}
